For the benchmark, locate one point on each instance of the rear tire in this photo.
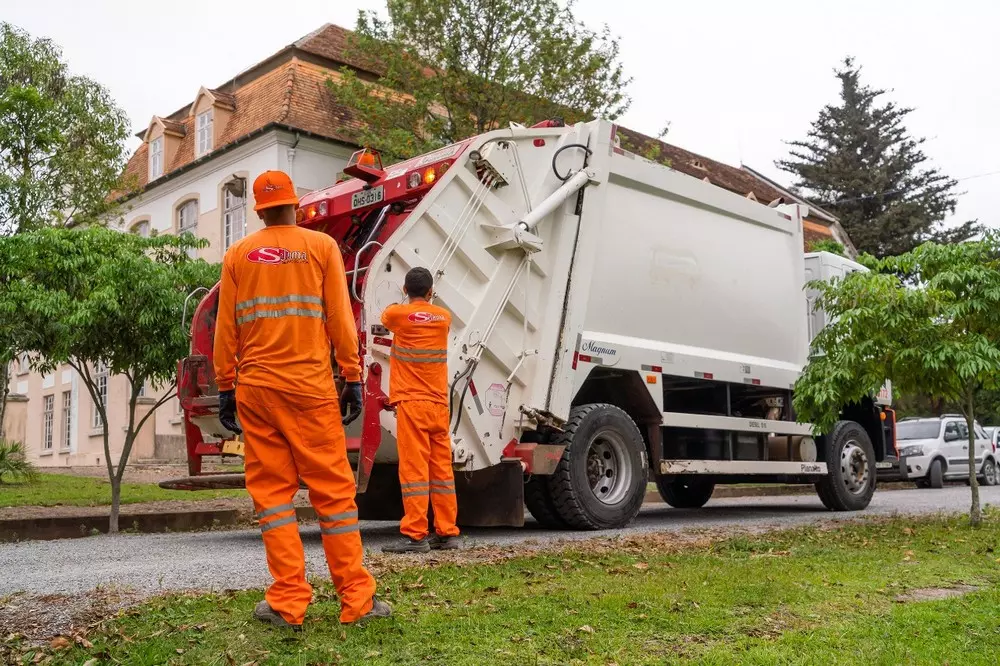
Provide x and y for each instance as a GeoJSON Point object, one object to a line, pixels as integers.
{"type": "Point", "coordinates": [935, 475]}
{"type": "Point", "coordinates": [600, 482]}
{"type": "Point", "coordinates": [850, 460]}
{"type": "Point", "coordinates": [539, 503]}
{"type": "Point", "coordinates": [685, 492]}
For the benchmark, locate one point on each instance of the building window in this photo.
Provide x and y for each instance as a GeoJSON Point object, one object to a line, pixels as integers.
{"type": "Point", "coordinates": [204, 132]}
{"type": "Point", "coordinates": [234, 218]}
{"type": "Point", "coordinates": [187, 222]}
{"type": "Point", "coordinates": [156, 158]}
{"type": "Point", "coordinates": [23, 364]}
{"type": "Point", "coordinates": [141, 228]}
{"type": "Point", "coordinates": [48, 405]}
{"type": "Point", "coordinates": [67, 420]}
{"type": "Point", "coordinates": [101, 382]}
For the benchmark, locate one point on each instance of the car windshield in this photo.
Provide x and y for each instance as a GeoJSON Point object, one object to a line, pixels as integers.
{"type": "Point", "coordinates": [918, 430]}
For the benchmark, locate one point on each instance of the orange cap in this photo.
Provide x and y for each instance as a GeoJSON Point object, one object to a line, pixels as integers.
{"type": "Point", "coordinates": [274, 188]}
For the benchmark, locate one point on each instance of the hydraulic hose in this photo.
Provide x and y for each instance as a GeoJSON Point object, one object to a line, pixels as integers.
{"type": "Point", "coordinates": [555, 156]}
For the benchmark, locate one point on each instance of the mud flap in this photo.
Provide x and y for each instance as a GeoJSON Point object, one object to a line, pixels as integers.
{"type": "Point", "coordinates": [491, 497]}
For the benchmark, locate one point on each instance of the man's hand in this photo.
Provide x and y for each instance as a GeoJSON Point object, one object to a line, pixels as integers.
{"type": "Point", "coordinates": [227, 411]}
{"type": "Point", "coordinates": [350, 400]}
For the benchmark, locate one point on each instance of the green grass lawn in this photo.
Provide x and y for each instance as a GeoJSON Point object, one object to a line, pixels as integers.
{"type": "Point", "coordinates": [801, 597]}
{"type": "Point", "coordinates": [63, 489]}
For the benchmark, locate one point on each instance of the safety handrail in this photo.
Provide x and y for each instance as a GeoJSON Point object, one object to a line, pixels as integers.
{"type": "Point", "coordinates": [355, 272]}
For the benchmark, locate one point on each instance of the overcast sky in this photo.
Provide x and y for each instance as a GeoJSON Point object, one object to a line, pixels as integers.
{"type": "Point", "coordinates": [734, 79]}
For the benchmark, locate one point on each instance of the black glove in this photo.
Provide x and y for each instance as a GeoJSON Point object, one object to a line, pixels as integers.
{"type": "Point", "coordinates": [350, 401]}
{"type": "Point", "coordinates": [227, 411]}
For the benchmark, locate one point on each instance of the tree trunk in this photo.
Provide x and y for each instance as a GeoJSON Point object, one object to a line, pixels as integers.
{"type": "Point", "coordinates": [116, 498]}
{"type": "Point", "coordinates": [4, 392]}
{"type": "Point", "coordinates": [975, 512]}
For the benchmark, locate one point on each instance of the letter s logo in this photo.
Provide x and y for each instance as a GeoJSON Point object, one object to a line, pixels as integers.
{"type": "Point", "coordinates": [265, 255]}
{"type": "Point", "coordinates": [424, 317]}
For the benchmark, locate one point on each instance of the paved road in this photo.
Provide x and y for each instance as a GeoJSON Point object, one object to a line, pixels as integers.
{"type": "Point", "coordinates": [230, 559]}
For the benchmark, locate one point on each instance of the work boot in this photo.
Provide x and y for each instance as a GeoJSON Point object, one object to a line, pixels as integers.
{"type": "Point", "coordinates": [439, 542]}
{"type": "Point", "coordinates": [408, 545]}
{"type": "Point", "coordinates": [265, 613]}
{"type": "Point", "coordinates": [379, 609]}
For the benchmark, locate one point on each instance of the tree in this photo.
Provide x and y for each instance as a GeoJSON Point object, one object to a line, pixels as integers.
{"type": "Point", "coordinates": [14, 463]}
{"type": "Point", "coordinates": [95, 297]}
{"type": "Point", "coordinates": [62, 147]}
{"type": "Point", "coordinates": [452, 69]}
{"type": "Point", "coordinates": [860, 163]}
{"type": "Point", "coordinates": [828, 245]}
{"type": "Point", "coordinates": [925, 319]}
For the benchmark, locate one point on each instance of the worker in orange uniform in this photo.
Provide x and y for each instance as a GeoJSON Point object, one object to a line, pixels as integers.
{"type": "Point", "coordinates": [282, 303]}
{"type": "Point", "coordinates": [418, 388]}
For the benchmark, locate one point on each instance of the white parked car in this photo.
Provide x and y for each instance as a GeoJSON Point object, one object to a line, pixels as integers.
{"type": "Point", "coordinates": [937, 450]}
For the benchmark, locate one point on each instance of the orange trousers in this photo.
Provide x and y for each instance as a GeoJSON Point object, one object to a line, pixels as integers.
{"type": "Point", "coordinates": [425, 468]}
{"type": "Point", "coordinates": [288, 437]}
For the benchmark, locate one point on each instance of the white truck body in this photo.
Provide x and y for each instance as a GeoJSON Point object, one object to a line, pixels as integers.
{"type": "Point", "coordinates": [644, 270]}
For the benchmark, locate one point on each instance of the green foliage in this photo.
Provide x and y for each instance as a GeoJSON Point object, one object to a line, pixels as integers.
{"type": "Point", "coordinates": [828, 245]}
{"type": "Point", "coordinates": [98, 296]}
{"type": "Point", "coordinates": [14, 464]}
{"type": "Point", "coordinates": [62, 138]}
{"type": "Point", "coordinates": [456, 68]}
{"type": "Point", "coordinates": [860, 163]}
{"type": "Point", "coordinates": [926, 319]}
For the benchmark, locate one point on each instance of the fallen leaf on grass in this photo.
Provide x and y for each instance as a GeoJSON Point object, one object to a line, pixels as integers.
{"type": "Point", "coordinates": [38, 658]}
{"type": "Point", "coordinates": [551, 566]}
{"type": "Point", "coordinates": [90, 662]}
{"type": "Point", "coordinates": [642, 566]}
{"type": "Point", "coordinates": [84, 643]}
{"type": "Point", "coordinates": [908, 531]}
{"type": "Point", "coordinates": [633, 604]}
{"type": "Point", "coordinates": [586, 629]}
{"type": "Point", "coordinates": [373, 654]}
{"type": "Point", "coordinates": [179, 651]}
{"type": "Point", "coordinates": [492, 590]}
{"type": "Point", "coordinates": [59, 643]}
{"type": "Point", "coordinates": [907, 556]}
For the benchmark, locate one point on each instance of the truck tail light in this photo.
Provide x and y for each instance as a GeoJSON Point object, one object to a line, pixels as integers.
{"type": "Point", "coordinates": [413, 180]}
{"type": "Point", "coordinates": [323, 208]}
{"type": "Point", "coordinates": [429, 175]}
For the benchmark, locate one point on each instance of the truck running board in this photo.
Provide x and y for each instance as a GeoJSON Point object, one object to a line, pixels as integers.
{"type": "Point", "coordinates": [742, 467]}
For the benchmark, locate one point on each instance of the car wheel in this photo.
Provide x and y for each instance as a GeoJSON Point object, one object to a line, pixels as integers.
{"type": "Point", "coordinates": [600, 482]}
{"type": "Point", "coordinates": [685, 493]}
{"type": "Point", "coordinates": [850, 460]}
{"type": "Point", "coordinates": [922, 483]}
{"type": "Point", "coordinates": [991, 473]}
{"type": "Point", "coordinates": [935, 474]}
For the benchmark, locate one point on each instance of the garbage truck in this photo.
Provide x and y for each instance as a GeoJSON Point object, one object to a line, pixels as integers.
{"type": "Point", "coordinates": [614, 323]}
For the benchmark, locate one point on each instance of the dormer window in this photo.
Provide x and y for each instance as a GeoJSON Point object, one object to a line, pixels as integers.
{"type": "Point", "coordinates": [204, 137]}
{"type": "Point", "coordinates": [156, 158]}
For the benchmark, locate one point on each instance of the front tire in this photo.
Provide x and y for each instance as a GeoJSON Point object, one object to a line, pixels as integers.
{"type": "Point", "coordinates": [850, 460]}
{"type": "Point", "coordinates": [935, 475]}
{"type": "Point", "coordinates": [685, 492]}
{"type": "Point", "coordinates": [600, 482]}
{"type": "Point", "coordinates": [991, 473]}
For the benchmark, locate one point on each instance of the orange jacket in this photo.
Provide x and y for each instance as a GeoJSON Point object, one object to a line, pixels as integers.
{"type": "Point", "coordinates": [282, 302]}
{"type": "Point", "coordinates": [418, 367]}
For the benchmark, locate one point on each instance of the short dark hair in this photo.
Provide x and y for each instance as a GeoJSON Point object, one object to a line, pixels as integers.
{"type": "Point", "coordinates": [418, 282]}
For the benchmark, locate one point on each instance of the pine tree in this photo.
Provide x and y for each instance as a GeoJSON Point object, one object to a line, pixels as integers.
{"type": "Point", "coordinates": [860, 163]}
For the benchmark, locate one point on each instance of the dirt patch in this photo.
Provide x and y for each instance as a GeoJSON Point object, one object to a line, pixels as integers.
{"type": "Point", "coordinates": [935, 593]}
{"type": "Point", "coordinates": [36, 619]}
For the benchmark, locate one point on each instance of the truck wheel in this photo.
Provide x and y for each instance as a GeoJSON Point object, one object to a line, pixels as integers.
{"type": "Point", "coordinates": [539, 503]}
{"type": "Point", "coordinates": [685, 493]}
{"type": "Point", "coordinates": [935, 474]}
{"type": "Point", "coordinates": [600, 482]}
{"type": "Point", "coordinates": [850, 460]}
{"type": "Point", "coordinates": [991, 474]}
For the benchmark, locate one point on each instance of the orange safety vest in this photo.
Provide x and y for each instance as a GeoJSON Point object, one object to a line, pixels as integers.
{"type": "Point", "coordinates": [418, 367]}
{"type": "Point", "coordinates": [283, 301]}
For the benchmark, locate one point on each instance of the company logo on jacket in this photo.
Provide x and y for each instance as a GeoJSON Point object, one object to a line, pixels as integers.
{"type": "Point", "coordinates": [276, 255]}
{"type": "Point", "coordinates": [424, 317]}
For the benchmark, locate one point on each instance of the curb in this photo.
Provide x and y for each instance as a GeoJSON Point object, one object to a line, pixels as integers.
{"type": "Point", "coordinates": [73, 527]}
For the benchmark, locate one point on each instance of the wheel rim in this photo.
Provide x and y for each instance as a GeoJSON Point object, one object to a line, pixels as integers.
{"type": "Point", "coordinates": [854, 468]}
{"type": "Point", "coordinates": [991, 473]}
{"type": "Point", "coordinates": [608, 470]}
